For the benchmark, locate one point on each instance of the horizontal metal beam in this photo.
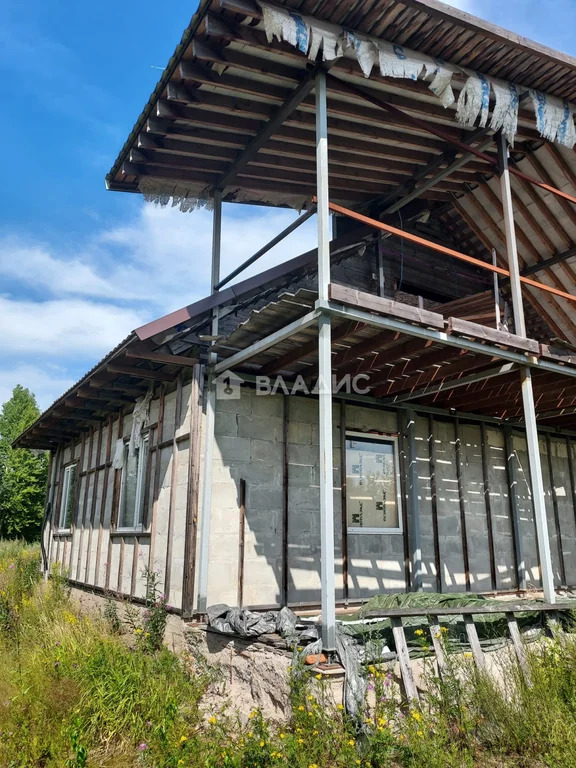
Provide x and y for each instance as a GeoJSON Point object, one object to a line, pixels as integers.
{"type": "Point", "coordinates": [547, 263]}
{"type": "Point", "coordinates": [444, 386]}
{"type": "Point", "coordinates": [441, 337]}
{"type": "Point", "coordinates": [269, 341]}
{"type": "Point", "coordinates": [268, 247]}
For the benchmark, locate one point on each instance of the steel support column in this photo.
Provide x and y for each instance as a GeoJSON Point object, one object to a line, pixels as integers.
{"type": "Point", "coordinates": [325, 376]}
{"type": "Point", "coordinates": [206, 506]}
{"type": "Point", "coordinates": [526, 378]}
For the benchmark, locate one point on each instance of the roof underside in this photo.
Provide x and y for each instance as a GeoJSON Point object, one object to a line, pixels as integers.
{"type": "Point", "coordinates": [226, 83]}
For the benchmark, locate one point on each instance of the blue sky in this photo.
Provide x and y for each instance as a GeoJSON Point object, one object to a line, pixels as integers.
{"type": "Point", "coordinates": [79, 266]}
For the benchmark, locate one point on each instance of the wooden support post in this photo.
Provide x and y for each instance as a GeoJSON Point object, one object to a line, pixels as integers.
{"type": "Point", "coordinates": [526, 377]}
{"type": "Point", "coordinates": [488, 503]}
{"type": "Point", "coordinates": [519, 648]}
{"type": "Point", "coordinates": [173, 482]}
{"type": "Point", "coordinates": [462, 503]}
{"type": "Point", "coordinates": [343, 502]}
{"type": "Point", "coordinates": [193, 490]}
{"type": "Point", "coordinates": [438, 645]}
{"type": "Point", "coordinates": [210, 418]}
{"type": "Point", "coordinates": [434, 503]}
{"type": "Point", "coordinates": [472, 634]}
{"type": "Point", "coordinates": [404, 659]}
{"type": "Point", "coordinates": [241, 540]}
{"type": "Point", "coordinates": [512, 474]}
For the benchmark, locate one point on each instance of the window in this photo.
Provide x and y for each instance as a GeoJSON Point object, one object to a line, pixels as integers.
{"type": "Point", "coordinates": [373, 500]}
{"type": "Point", "coordinates": [133, 486]}
{"type": "Point", "coordinates": [68, 497]}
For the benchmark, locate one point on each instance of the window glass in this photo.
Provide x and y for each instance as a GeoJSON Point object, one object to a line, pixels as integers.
{"type": "Point", "coordinates": [68, 497]}
{"type": "Point", "coordinates": [372, 484]}
{"type": "Point", "coordinates": [133, 486]}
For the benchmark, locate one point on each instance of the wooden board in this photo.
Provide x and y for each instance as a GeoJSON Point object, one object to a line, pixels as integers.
{"type": "Point", "coordinates": [366, 301]}
{"type": "Point", "coordinates": [484, 333]}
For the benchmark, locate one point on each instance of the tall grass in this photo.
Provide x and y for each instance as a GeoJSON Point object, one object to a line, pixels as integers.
{"type": "Point", "coordinates": [77, 692]}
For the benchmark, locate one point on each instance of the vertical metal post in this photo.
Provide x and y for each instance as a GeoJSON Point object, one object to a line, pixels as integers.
{"type": "Point", "coordinates": [210, 418]}
{"type": "Point", "coordinates": [496, 291]}
{"type": "Point", "coordinates": [413, 502]}
{"type": "Point", "coordinates": [526, 377]}
{"type": "Point", "coordinates": [325, 376]}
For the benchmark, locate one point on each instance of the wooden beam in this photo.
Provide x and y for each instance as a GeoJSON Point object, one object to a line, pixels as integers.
{"type": "Point", "coordinates": [140, 373]}
{"type": "Point", "coordinates": [303, 350]}
{"type": "Point", "coordinates": [162, 357]}
{"type": "Point", "coordinates": [305, 87]}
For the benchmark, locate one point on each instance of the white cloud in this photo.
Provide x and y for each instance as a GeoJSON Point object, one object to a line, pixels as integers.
{"type": "Point", "coordinates": [63, 329]}
{"type": "Point", "coordinates": [68, 304]}
{"type": "Point", "coordinates": [46, 382]}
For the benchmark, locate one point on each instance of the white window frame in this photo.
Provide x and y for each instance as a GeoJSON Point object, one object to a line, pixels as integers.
{"type": "Point", "coordinates": [399, 529]}
{"type": "Point", "coordinates": [138, 519]}
{"type": "Point", "coordinates": [62, 527]}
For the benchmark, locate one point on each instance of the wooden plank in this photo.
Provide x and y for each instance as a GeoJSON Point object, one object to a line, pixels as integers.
{"type": "Point", "coordinates": [557, 525]}
{"type": "Point", "coordinates": [438, 645]}
{"type": "Point", "coordinates": [156, 487]}
{"type": "Point", "coordinates": [472, 635]}
{"type": "Point", "coordinates": [488, 503]}
{"type": "Point", "coordinates": [404, 659]}
{"type": "Point", "coordinates": [104, 498]}
{"type": "Point", "coordinates": [115, 506]}
{"type": "Point", "coordinates": [434, 502]}
{"type": "Point", "coordinates": [558, 354]}
{"type": "Point", "coordinates": [193, 488]}
{"type": "Point", "coordinates": [460, 327]}
{"type": "Point", "coordinates": [462, 503]}
{"type": "Point", "coordinates": [241, 540]}
{"type": "Point", "coordinates": [140, 373]}
{"type": "Point", "coordinates": [519, 648]}
{"type": "Point", "coordinates": [470, 610]}
{"type": "Point", "coordinates": [344, 500]}
{"type": "Point", "coordinates": [163, 357]}
{"type": "Point", "coordinates": [173, 480]}
{"type": "Point", "coordinates": [382, 306]}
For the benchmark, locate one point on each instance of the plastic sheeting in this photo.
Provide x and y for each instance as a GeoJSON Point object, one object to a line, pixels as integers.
{"type": "Point", "coordinates": [554, 117]}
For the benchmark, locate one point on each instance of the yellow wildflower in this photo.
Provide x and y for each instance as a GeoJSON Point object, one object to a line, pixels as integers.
{"type": "Point", "coordinates": [318, 676]}
{"type": "Point", "coordinates": [310, 698]}
{"type": "Point", "coordinates": [340, 707]}
{"type": "Point", "coordinates": [313, 765]}
{"type": "Point", "coordinates": [138, 631]}
{"type": "Point", "coordinates": [301, 708]}
{"type": "Point", "coordinates": [382, 721]}
{"type": "Point", "coordinates": [419, 632]}
{"type": "Point", "coordinates": [212, 720]}
{"type": "Point", "coordinates": [467, 655]}
{"type": "Point", "coordinates": [420, 733]}
{"type": "Point", "coordinates": [282, 735]}
{"type": "Point", "coordinates": [300, 741]}
{"type": "Point", "coordinates": [262, 743]}
{"type": "Point", "coordinates": [352, 743]}
{"type": "Point", "coordinates": [443, 630]}
{"type": "Point", "coordinates": [252, 714]}
{"type": "Point", "coordinates": [183, 739]}
{"type": "Point", "coordinates": [417, 716]}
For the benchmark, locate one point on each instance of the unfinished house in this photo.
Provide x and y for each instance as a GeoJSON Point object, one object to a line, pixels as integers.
{"type": "Point", "coordinates": [393, 411]}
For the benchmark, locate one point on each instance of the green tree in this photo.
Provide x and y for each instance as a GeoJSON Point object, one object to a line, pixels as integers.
{"type": "Point", "coordinates": [22, 472]}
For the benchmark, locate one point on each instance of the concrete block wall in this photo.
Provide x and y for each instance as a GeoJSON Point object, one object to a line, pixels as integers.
{"type": "Point", "coordinates": [259, 439]}
{"type": "Point", "coordinates": [463, 489]}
